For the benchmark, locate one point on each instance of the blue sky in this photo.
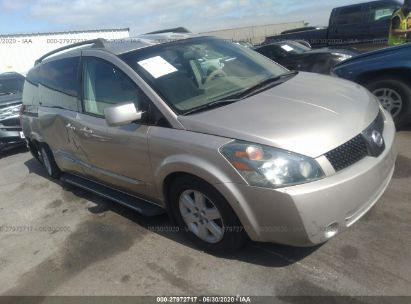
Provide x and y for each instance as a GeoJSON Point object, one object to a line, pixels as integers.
{"type": "Point", "coordinates": [22, 16]}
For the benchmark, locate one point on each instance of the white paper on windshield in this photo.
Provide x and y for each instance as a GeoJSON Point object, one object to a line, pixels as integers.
{"type": "Point", "coordinates": [157, 66]}
{"type": "Point", "coordinates": [287, 48]}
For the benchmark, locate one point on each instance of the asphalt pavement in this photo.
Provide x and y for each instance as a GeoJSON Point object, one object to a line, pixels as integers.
{"type": "Point", "coordinates": [56, 239]}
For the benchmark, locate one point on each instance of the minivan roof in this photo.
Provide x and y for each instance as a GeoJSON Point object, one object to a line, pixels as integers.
{"type": "Point", "coordinates": [120, 46]}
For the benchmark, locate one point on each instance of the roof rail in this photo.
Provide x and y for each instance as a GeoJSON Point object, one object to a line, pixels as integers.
{"type": "Point", "coordinates": [99, 43]}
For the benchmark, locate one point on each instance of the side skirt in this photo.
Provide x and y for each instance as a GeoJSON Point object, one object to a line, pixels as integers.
{"type": "Point", "coordinates": [144, 207]}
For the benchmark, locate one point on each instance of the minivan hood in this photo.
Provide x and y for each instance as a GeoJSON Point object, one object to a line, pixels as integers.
{"type": "Point", "coordinates": [309, 114]}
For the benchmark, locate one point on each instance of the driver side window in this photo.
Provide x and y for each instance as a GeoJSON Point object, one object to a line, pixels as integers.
{"type": "Point", "coordinates": [105, 85]}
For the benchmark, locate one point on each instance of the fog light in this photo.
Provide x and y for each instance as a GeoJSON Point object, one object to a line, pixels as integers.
{"type": "Point", "coordinates": [331, 230]}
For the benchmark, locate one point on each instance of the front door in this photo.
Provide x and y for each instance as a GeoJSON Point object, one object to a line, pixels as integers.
{"type": "Point", "coordinates": [115, 156]}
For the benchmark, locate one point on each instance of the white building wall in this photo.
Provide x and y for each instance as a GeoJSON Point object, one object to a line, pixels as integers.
{"type": "Point", "coordinates": [255, 34]}
{"type": "Point", "coordinates": [18, 52]}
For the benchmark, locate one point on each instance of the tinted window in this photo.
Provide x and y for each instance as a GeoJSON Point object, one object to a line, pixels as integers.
{"type": "Point", "coordinates": [273, 52]}
{"type": "Point", "coordinates": [61, 75]}
{"type": "Point", "coordinates": [10, 86]}
{"type": "Point", "coordinates": [33, 75]}
{"type": "Point", "coordinates": [105, 85]}
{"type": "Point", "coordinates": [350, 15]}
{"type": "Point", "coordinates": [283, 49]}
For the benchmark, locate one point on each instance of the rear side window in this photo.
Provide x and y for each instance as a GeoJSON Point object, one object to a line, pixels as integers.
{"type": "Point", "coordinates": [61, 75]}
{"type": "Point", "coordinates": [59, 84]}
{"type": "Point", "coordinates": [33, 75]}
{"type": "Point", "coordinates": [350, 15]}
{"type": "Point", "coordinates": [31, 91]}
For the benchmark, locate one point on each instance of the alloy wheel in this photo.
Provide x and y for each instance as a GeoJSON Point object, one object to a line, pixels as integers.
{"type": "Point", "coordinates": [390, 100]}
{"type": "Point", "coordinates": [201, 216]}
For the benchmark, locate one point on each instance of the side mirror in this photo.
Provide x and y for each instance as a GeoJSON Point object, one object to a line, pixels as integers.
{"type": "Point", "coordinates": [122, 114]}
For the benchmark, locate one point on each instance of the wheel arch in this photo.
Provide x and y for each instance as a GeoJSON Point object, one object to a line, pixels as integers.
{"type": "Point", "coordinates": [402, 73]}
{"type": "Point", "coordinates": [215, 177]}
{"type": "Point", "coordinates": [180, 165]}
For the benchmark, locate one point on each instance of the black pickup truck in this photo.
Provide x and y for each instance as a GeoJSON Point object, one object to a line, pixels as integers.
{"type": "Point", "coordinates": [363, 26]}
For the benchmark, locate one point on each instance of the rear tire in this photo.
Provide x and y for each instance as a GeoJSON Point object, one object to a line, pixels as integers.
{"type": "Point", "coordinates": [395, 96]}
{"type": "Point", "coordinates": [47, 159]}
{"type": "Point", "coordinates": [214, 227]}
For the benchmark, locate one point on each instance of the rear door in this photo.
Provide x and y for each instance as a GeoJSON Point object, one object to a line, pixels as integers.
{"type": "Point", "coordinates": [115, 156]}
{"type": "Point", "coordinates": [58, 105]}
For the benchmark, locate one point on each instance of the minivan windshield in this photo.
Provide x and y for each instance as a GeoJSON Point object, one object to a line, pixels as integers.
{"type": "Point", "coordinates": [196, 72]}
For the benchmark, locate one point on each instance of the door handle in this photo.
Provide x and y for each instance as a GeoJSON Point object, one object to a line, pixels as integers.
{"type": "Point", "coordinates": [89, 133]}
{"type": "Point", "coordinates": [86, 130]}
{"type": "Point", "coordinates": [70, 127]}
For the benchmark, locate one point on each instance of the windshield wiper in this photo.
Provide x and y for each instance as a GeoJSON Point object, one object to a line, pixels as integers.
{"type": "Point", "coordinates": [211, 105]}
{"type": "Point", "coordinates": [264, 85]}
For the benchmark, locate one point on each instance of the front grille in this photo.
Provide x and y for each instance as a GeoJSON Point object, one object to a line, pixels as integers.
{"type": "Point", "coordinates": [357, 148]}
{"type": "Point", "coordinates": [347, 154]}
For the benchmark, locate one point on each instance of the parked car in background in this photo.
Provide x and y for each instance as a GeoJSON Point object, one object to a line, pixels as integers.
{"type": "Point", "coordinates": [364, 25]}
{"type": "Point", "coordinates": [303, 29]}
{"type": "Point", "coordinates": [251, 148]}
{"type": "Point", "coordinates": [387, 74]}
{"type": "Point", "coordinates": [245, 43]}
{"type": "Point", "coordinates": [296, 56]}
{"type": "Point", "coordinates": [11, 88]}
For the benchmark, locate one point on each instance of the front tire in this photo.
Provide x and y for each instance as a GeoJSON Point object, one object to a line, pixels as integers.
{"type": "Point", "coordinates": [47, 159]}
{"type": "Point", "coordinates": [395, 96]}
{"type": "Point", "coordinates": [205, 217]}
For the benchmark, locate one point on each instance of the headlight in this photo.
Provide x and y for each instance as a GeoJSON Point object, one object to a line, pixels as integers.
{"type": "Point", "coordinates": [342, 57]}
{"type": "Point", "coordinates": [269, 167]}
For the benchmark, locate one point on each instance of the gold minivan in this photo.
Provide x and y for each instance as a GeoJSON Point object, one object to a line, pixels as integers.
{"type": "Point", "coordinates": [229, 143]}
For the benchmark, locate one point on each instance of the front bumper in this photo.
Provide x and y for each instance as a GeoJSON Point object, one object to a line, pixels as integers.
{"type": "Point", "coordinates": [10, 134]}
{"type": "Point", "coordinates": [301, 215]}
